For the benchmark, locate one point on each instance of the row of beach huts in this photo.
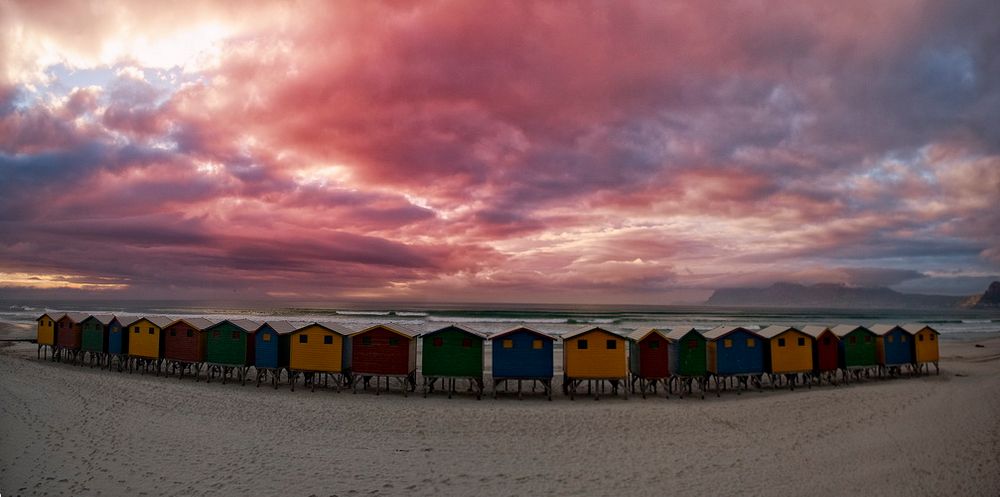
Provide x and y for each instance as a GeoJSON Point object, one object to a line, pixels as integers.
{"type": "Point", "coordinates": [681, 360]}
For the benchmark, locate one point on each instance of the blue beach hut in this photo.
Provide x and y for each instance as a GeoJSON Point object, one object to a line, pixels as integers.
{"type": "Point", "coordinates": [892, 346]}
{"type": "Point", "coordinates": [735, 352]}
{"type": "Point", "coordinates": [271, 349]}
{"type": "Point", "coordinates": [522, 353]}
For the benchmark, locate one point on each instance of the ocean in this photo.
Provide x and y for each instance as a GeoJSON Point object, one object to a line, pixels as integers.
{"type": "Point", "coordinates": [492, 318]}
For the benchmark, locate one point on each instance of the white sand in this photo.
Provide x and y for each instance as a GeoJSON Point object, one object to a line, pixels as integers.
{"type": "Point", "coordinates": [67, 430]}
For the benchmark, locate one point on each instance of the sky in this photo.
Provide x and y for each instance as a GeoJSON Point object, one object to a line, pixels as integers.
{"type": "Point", "coordinates": [581, 152]}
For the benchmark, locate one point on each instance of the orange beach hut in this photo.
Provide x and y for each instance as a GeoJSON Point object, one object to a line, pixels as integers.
{"type": "Point", "coordinates": [594, 354]}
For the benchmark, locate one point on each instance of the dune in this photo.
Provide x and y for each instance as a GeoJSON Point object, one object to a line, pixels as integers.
{"type": "Point", "coordinates": [70, 430]}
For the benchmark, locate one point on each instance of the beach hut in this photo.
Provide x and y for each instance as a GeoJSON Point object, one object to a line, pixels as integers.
{"type": "Point", "coordinates": [734, 353]}
{"type": "Point", "coordinates": [858, 352]}
{"type": "Point", "coordinates": [894, 347]}
{"type": "Point", "coordinates": [925, 346]}
{"type": "Point", "coordinates": [94, 338]}
{"type": "Point", "coordinates": [688, 359]}
{"type": "Point", "coordinates": [522, 354]}
{"type": "Point", "coordinates": [271, 341]}
{"type": "Point", "coordinates": [384, 351]}
{"type": "Point", "coordinates": [788, 354]}
{"type": "Point", "coordinates": [184, 346]}
{"type": "Point", "coordinates": [229, 349]}
{"type": "Point", "coordinates": [826, 352]}
{"type": "Point", "coordinates": [452, 353]}
{"type": "Point", "coordinates": [118, 342]}
{"type": "Point", "coordinates": [69, 333]}
{"type": "Point", "coordinates": [648, 359]}
{"type": "Point", "coordinates": [145, 343]}
{"type": "Point", "coordinates": [594, 355]}
{"type": "Point", "coordinates": [319, 351]}
{"type": "Point", "coordinates": [46, 336]}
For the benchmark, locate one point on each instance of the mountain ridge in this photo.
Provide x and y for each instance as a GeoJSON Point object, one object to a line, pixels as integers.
{"type": "Point", "coordinates": [784, 294]}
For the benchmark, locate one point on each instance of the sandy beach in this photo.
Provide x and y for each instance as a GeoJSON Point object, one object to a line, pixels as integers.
{"type": "Point", "coordinates": [69, 430]}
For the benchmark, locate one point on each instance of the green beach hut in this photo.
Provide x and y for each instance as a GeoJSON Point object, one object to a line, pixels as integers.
{"type": "Point", "coordinates": [229, 348]}
{"type": "Point", "coordinates": [858, 351]}
{"type": "Point", "coordinates": [452, 353]}
{"type": "Point", "coordinates": [688, 360]}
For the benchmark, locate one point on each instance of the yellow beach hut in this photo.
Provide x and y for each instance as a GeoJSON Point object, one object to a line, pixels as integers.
{"type": "Point", "coordinates": [145, 343]}
{"type": "Point", "coordinates": [788, 354]}
{"type": "Point", "coordinates": [594, 355]}
{"type": "Point", "coordinates": [319, 350]}
{"type": "Point", "coordinates": [46, 337]}
{"type": "Point", "coordinates": [925, 346]}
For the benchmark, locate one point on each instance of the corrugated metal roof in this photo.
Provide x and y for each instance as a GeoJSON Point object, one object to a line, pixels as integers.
{"type": "Point", "coordinates": [516, 329]}
{"type": "Point", "coordinates": [104, 319]}
{"type": "Point", "coordinates": [640, 334]}
{"type": "Point", "coordinates": [775, 330]}
{"type": "Point", "coordinates": [815, 330]}
{"type": "Point", "coordinates": [55, 316]}
{"type": "Point", "coordinates": [395, 328]}
{"type": "Point", "coordinates": [679, 331]}
{"type": "Point", "coordinates": [460, 327]}
{"type": "Point", "coordinates": [196, 323]}
{"type": "Point", "coordinates": [882, 329]}
{"type": "Point", "coordinates": [588, 329]}
{"type": "Point", "coordinates": [161, 321]}
{"type": "Point", "coordinates": [77, 317]}
{"type": "Point", "coordinates": [283, 327]}
{"type": "Point", "coordinates": [334, 327]}
{"type": "Point", "coordinates": [842, 330]}
{"type": "Point", "coordinates": [243, 324]}
{"type": "Point", "coordinates": [914, 328]}
{"type": "Point", "coordinates": [721, 331]}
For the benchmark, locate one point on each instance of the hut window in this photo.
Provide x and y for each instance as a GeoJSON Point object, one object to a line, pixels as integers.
{"type": "Point", "coordinates": [393, 341]}
{"type": "Point", "coordinates": [581, 344]}
{"type": "Point", "coordinates": [236, 335]}
{"type": "Point", "coordinates": [150, 330]}
{"type": "Point", "coordinates": [655, 344]}
{"type": "Point", "coordinates": [303, 338]}
{"type": "Point", "coordinates": [920, 337]}
{"type": "Point", "coordinates": [438, 341]}
{"type": "Point", "coordinates": [751, 343]}
{"type": "Point", "coordinates": [727, 343]}
{"type": "Point", "coordinates": [216, 334]}
{"type": "Point", "coordinates": [328, 340]}
{"type": "Point", "coordinates": [802, 342]}
{"type": "Point", "coordinates": [536, 344]}
{"type": "Point", "coordinates": [466, 343]}
{"type": "Point", "coordinates": [826, 340]}
{"type": "Point", "coordinates": [932, 338]}
{"type": "Point", "coordinates": [612, 344]}
{"type": "Point", "coordinates": [890, 338]}
{"type": "Point", "coordinates": [136, 329]}
{"type": "Point", "coordinates": [781, 342]}
{"type": "Point", "coordinates": [692, 344]}
{"type": "Point", "coordinates": [173, 333]}
{"type": "Point", "coordinates": [508, 344]}
{"type": "Point", "coordinates": [366, 341]}
{"type": "Point", "coordinates": [902, 338]}
{"type": "Point", "coordinates": [266, 337]}
{"type": "Point", "coordinates": [190, 333]}
{"type": "Point", "coordinates": [868, 339]}
{"type": "Point", "coordinates": [853, 340]}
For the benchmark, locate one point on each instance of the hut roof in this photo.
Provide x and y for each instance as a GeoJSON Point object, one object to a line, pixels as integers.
{"type": "Point", "coordinates": [721, 331]}
{"type": "Point", "coordinates": [196, 323]}
{"type": "Point", "coordinates": [775, 330]}
{"type": "Point", "coordinates": [284, 327]}
{"type": "Point", "coordinates": [161, 321]}
{"type": "Point", "coordinates": [522, 328]}
{"type": "Point", "coordinates": [588, 329]}
{"type": "Point", "coordinates": [395, 328]}
{"type": "Point", "coordinates": [104, 319]}
{"type": "Point", "coordinates": [815, 331]}
{"type": "Point", "coordinates": [915, 328]}
{"type": "Point", "coordinates": [883, 329]}
{"type": "Point", "coordinates": [51, 315]}
{"type": "Point", "coordinates": [77, 317]}
{"type": "Point", "coordinates": [243, 324]}
{"type": "Point", "coordinates": [678, 332]}
{"type": "Point", "coordinates": [842, 330]}
{"type": "Point", "coordinates": [466, 329]}
{"type": "Point", "coordinates": [640, 334]}
{"type": "Point", "coordinates": [334, 327]}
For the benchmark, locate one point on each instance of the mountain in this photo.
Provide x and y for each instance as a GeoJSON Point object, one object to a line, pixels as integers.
{"type": "Point", "coordinates": [990, 299]}
{"type": "Point", "coordinates": [829, 295]}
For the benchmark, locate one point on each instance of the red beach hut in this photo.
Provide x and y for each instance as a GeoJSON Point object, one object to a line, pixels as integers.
{"type": "Point", "coordinates": [385, 351]}
{"type": "Point", "coordinates": [184, 345]}
{"type": "Point", "coordinates": [69, 334]}
{"type": "Point", "coordinates": [826, 352]}
{"type": "Point", "coordinates": [649, 359]}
